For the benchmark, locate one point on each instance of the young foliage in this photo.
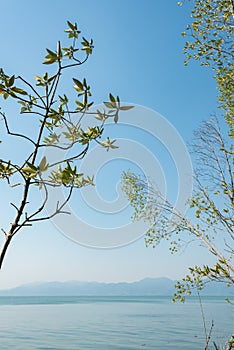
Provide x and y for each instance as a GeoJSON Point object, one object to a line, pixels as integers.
{"type": "Point", "coordinates": [211, 216]}
{"type": "Point", "coordinates": [59, 127]}
{"type": "Point", "coordinates": [210, 41]}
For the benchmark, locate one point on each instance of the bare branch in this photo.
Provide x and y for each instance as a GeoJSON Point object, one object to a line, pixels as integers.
{"type": "Point", "coordinates": [17, 209]}
{"type": "Point", "coordinates": [15, 134]}
{"type": "Point", "coordinates": [56, 212]}
{"type": "Point", "coordinates": [78, 63]}
{"type": "Point", "coordinates": [209, 335]}
{"type": "Point", "coordinates": [4, 231]}
{"type": "Point", "coordinates": [78, 156]}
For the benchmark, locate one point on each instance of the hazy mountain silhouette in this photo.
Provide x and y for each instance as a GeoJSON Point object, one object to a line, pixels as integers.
{"type": "Point", "coordinates": [146, 287]}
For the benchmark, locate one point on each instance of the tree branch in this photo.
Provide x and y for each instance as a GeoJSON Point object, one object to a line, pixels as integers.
{"type": "Point", "coordinates": [33, 89]}
{"type": "Point", "coordinates": [78, 156]}
{"type": "Point", "coordinates": [15, 134]}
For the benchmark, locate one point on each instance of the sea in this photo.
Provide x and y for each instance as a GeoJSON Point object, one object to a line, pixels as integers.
{"type": "Point", "coordinates": [113, 323]}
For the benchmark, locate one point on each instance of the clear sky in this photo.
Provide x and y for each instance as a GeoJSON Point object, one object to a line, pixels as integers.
{"type": "Point", "coordinates": [139, 56]}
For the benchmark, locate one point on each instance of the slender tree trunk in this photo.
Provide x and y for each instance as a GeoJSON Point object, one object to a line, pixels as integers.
{"type": "Point", "coordinates": [4, 249]}
{"type": "Point", "coordinates": [14, 226]}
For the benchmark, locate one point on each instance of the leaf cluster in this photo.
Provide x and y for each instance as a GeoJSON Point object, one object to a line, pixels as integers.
{"type": "Point", "coordinates": [7, 86]}
{"type": "Point", "coordinates": [210, 41]}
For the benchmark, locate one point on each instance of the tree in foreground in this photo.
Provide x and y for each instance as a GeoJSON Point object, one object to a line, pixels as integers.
{"type": "Point", "coordinates": [56, 122]}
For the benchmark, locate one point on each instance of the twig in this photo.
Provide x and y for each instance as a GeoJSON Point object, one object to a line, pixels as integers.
{"type": "Point", "coordinates": [13, 205]}
{"type": "Point", "coordinates": [33, 89]}
{"type": "Point", "coordinates": [75, 64]}
{"type": "Point", "coordinates": [57, 211]}
{"type": "Point", "coordinates": [209, 335]}
{"type": "Point", "coordinates": [15, 134]}
{"type": "Point", "coordinates": [4, 231]}
{"type": "Point", "coordinates": [202, 312]}
{"type": "Point", "coordinates": [78, 156]}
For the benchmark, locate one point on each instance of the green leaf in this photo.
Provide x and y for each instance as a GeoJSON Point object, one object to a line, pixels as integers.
{"type": "Point", "coordinates": [43, 166]}
{"type": "Point", "coordinates": [49, 61]}
{"type": "Point", "coordinates": [30, 170]}
{"type": "Point", "coordinates": [59, 51]}
{"type": "Point", "coordinates": [70, 25]}
{"type": "Point", "coordinates": [112, 99]}
{"type": "Point", "coordinates": [126, 108]}
{"type": "Point", "coordinates": [11, 81]}
{"type": "Point", "coordinates": [79, 85]}
{"type": "Point", "coordinates": [51, 57]}
{"type": "Point", "coordinates": [19, 91]}
{"type": "Point", "coordinates": [109, 105]}
{"type": "Point", "coordinates": [31, 166]}
{"type": "Point", "coordinates": [51, 53]}
{"type": "Point", "coordinates": [116, 117]}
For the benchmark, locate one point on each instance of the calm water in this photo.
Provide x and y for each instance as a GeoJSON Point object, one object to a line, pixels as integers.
{"type": "Point", "coordinates": [110, 323]}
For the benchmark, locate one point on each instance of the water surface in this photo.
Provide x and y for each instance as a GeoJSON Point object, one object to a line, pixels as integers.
{"type": "Point", "coordinates": [111, 323]}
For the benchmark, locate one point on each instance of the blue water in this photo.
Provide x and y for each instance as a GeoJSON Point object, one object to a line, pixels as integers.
{"type": "Point", "coordinates": [111, 323]}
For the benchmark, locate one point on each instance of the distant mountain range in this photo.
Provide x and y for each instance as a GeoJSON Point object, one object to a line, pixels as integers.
{"type": "Point", "coordinates": [145, 287]}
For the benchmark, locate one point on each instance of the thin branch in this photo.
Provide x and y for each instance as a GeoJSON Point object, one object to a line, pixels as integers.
{"type": "Point", "coordinates": [78, 156]}
{"type": "Point", "coordinates": [209, 335]}
{"type": "Point", "coordinates": [222, 218]}
{"type": "Point", "coordinates": [15, 134]}
{"type": "Point", "coordinates": [4, 232]}
{"type": "Point", "coordinates": [33, 112]}
{"type": "Point", "coordinates": [33, 89]}
{"type": "Point", "coordinates": [28, 219]}
{"type": "Point", "coordinates": [32, 103]}
{"type": "Point", "coordinates": [56, 212]}
{"type": "Point", "coordinates": [79, 63]}
{"type": "Point", "coordinates": [54, 85]}
{"type": "Point", "coordinates": [60, 147]}
{"type": "Point", "coordinates": [13, 205]}
{"type": "Point", "coordinates": [203, 316]}
{"type": "Point", "coordinates": [54, 82]}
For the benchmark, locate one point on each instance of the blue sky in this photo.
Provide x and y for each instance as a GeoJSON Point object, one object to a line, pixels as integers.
{"type": "Point", "coordinates": [139, 56]}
